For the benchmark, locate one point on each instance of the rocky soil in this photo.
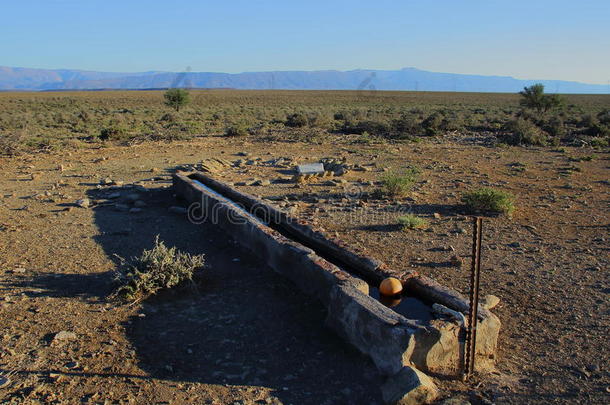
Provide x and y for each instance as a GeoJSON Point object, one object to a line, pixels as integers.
{"type": "Point", "coordinates": [243, 335]}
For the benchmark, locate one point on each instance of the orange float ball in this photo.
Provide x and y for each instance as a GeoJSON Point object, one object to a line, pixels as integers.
{"type": "Point", "coordinates": [390, 286]}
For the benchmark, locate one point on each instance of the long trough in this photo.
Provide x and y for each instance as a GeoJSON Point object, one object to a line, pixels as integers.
{"type": "Point", "coordinates": [344, 280]}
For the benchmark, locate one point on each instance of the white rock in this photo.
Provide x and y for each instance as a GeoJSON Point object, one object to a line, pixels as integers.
{"type": "Point", "coordinates": [64, 336]}
{"type": "Point", "coordinates": [83, 203]}
{"type": "Point", "coordinates": [490, 301]}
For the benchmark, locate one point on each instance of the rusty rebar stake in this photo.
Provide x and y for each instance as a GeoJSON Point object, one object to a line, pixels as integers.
{"type": "Point", "coordinates": [475, 272]}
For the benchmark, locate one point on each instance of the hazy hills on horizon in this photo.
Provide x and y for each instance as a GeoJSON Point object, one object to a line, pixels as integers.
{"type": "Point", "coordinates": [365, 79]}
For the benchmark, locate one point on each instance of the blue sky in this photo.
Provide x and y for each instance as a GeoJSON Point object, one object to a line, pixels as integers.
{"type": "Point", "coordinates": [534, 39]}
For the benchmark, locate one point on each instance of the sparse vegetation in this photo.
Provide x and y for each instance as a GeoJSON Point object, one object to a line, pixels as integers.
{"type": "Point", "coordinates": [398, 184]}
{"type": "Point", "coordinates": [46, 121]}
{"type": "Point", "coordinates": [411, 221]}
{"type": "Point", "coordinates": [156, 269]}
{"type": "Point", "coordinates": [489, 200]}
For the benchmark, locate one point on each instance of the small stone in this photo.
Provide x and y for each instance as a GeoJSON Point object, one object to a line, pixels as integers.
{"type": "Point", "coordinates": [490, 301]}
{"type": "Point", "coordinates": [64, 336]}
{"type": "Point", "coordinates": [154, 170]}
{"type": "Point", "coordinates": [107, 181]}
{"type": "Point", "coordinates": [83, 203]}
{"type": "Point", "coordinates": [19, 270]}
{"type": "Point", "coordinates": [437, 215]}
{"type": "Point", "coordinates": [456, 261]}
{"type": "Point", "coordinates": [4, 381]}
{"type": "Point", "coordinates": [409, 386]}
{"type": "Point", "coordinates": [177, 210]}
{"type": "Point", "coordinates": [514, 245]}
{"type": "Point", "coordinates": [121, 207]}
{"type": "Point", "coordinates": [72, 365]}
{"type": "Point", "coordinates": [132, 197]}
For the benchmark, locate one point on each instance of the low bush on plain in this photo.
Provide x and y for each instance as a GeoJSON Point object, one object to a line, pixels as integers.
{"type": "Point", "coordinates": [156, 269]}
{"type": "Point", "coordinates": [411, 221]}
{"type": "Point", "coordinates": [524, 132]}
{"type": "Point", "coordinates": [399, 184]}
{"type": "Point", "coordinates": [236, 130]}
{"type": "Point", "coordinates": [489, 200]}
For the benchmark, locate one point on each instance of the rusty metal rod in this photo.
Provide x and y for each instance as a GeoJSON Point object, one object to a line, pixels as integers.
{"type": "Point", "coordinates": [475, 272]}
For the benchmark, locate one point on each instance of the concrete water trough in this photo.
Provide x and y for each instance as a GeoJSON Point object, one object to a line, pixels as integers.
{"type": "Point", "coordinates": [424, 331]}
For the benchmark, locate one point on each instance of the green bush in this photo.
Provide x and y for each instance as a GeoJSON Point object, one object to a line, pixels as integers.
{"type": "Point", "coordinates": [375, 128]}
{"type": "Point", "coordinates": [113, 133]}
{"type": "Point", "coordinates": [554, 126]}
{"type": "Point", "coordinates": [411, 221]}
{"type": "Point", "coordinates": [399, 184]}
{"type": "Point", "coordinates": [489, 200]}
{"type": "Point", "coordinates": [156, 269]}
{"type": "Point", "coordinates": [236, 130]}
{"type": "Point", "coordinates": [176, 98]}
{"type": "Point", "coordinates": [432, 124]}
{"type": "Point", "coordinates": [533, 97]}
{"type": "Point", "coordinates": [296, 120]}
{"type": "Point", "coordinates": [406, 126]}
{"type": "Point", "coordinates": [524, 132]}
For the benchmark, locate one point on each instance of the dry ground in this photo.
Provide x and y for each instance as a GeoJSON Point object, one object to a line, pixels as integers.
{"type": "Point", "coordinates": [244, 336]}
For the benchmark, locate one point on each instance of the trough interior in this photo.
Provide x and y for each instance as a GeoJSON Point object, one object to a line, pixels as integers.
{"type": "Point", "coordinates": [408, 306]}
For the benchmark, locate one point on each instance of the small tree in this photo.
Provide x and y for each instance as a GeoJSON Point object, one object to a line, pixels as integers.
{"type": "Point", "coordinates": [176, 98]}
{"type": "Point", "coordinates": [534, 97]}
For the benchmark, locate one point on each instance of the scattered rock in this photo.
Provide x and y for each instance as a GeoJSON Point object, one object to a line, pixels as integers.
{"type": "Point", "coordinates": [63, 336]}
{"type": "Point", "coordinates": [121, 207]}
{"type": "Point", "coordinates": [409, 387]}
{"type": "Point", "coordinates": [19, 270]}
{"type": "Point", "coordinates": [106, 181]}
{"type": "Point", "coordinates": [456, 261]}
{"type": "Point", "coordinates": [72, 365]}
{"type": "Point", "coordinates": [132, 197]}
{"type": "Point", "coordinates": [83, 203]}
{"type": "Point", "coordinates": [490, 301]}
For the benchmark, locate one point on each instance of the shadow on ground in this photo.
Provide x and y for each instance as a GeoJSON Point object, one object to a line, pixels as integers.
{"type": "Point", "coordinates": [243, 325]}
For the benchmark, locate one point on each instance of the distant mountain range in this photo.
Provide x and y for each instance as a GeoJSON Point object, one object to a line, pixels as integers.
{"type": "Point", "coordinates": [366, 80]}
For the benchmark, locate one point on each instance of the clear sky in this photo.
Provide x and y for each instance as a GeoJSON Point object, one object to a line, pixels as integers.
{"type": "Point", "coordinates": [533, 39]}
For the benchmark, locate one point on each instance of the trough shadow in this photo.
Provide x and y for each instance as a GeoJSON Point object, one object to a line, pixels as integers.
{"type": "Point", "coordinates": [242, 325]}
